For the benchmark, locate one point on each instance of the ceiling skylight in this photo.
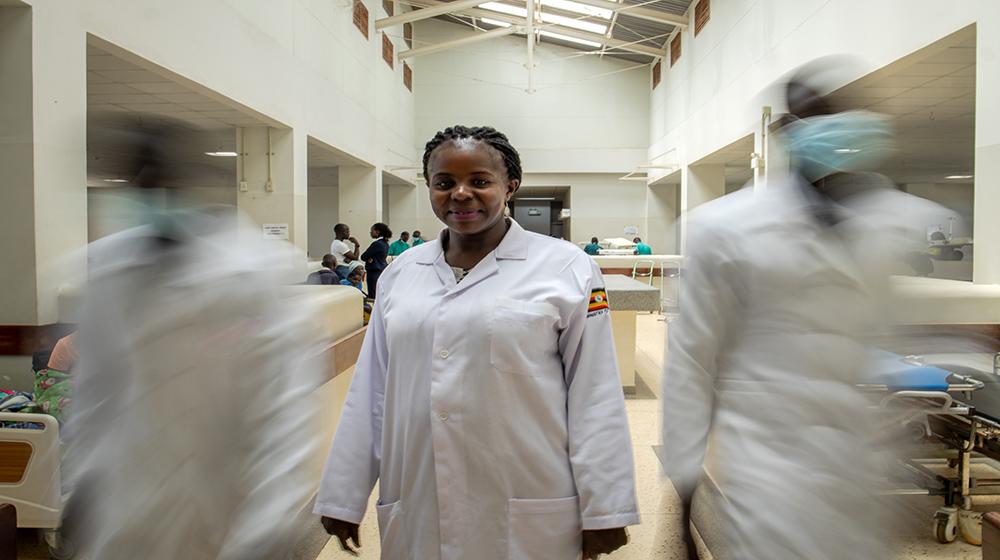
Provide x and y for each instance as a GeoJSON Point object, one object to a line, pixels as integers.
{"type": "Point", "coordinates": [598, 28]}
{"type": "Point", "coordinates": [576, 7]}
{"type": "Point", "coordinates": [495, 22]}
{"type": "Point", "coordinates": [505, 9]}
{"type": "Point", "coordinates": [569, 39]}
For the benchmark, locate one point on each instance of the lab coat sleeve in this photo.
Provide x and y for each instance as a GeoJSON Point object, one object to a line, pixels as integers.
{"type": "Point", "coordinates": [708, 300]}
{"type": "Point", "coordinates": [352, 467]}
{"type": "Point", "coordinates": [600, 448]}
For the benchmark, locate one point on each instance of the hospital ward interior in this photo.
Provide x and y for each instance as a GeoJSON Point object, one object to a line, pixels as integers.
{"type": "Point", "coordinates": [499, 279]}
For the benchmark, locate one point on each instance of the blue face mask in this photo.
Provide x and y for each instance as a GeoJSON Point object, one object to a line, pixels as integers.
{"type": "Point", "coordinates": [844, 142]}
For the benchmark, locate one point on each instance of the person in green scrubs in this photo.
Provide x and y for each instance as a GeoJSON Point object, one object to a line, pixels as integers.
{"type": "Point", "coordinates": [417, 239]}
{"type": "Point", "coordinates": [399, 245]}
{"type": "Point", "coordinates": [593, 248]}
{"type": "Point", "coordinates": [641, 248]}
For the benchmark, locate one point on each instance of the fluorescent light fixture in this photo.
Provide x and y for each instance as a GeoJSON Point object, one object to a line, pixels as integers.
{"type": "Point", "coordinates": [571, 6]}
{"type": "Point", "coordinates": [505, 9]}
{"type": "Point", "coordinates": [116, 180]}
{"type": "Point", "coordinates": [568, 38]}
{"type": "Point", "coordinates": [598, 28]}
{"type": "Point", "coordinates": [847, 151]}
{"type": "Point", "coordinates": [222, 154]}
{"type": "Point", "coordinates": [959, 177]}
{"type": "Point", "coordinates": [495, 22]}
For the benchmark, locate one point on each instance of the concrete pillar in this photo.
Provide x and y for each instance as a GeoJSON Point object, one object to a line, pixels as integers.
{"type": "Point", "coordinates": [699, 184]}
{"type": "Point", "coordinates": [360, 199]}
{"type": "Point", "coordinates": [661, 218]}
{"type": "Point", "coordinates": [276, 187]}
{"type": "Point", "coordinates": [324, 213]}
{"type": "Point", "coordinates": [402, 203]}
{"type": "Point", "coordinates": [773, 164]}
{"type": "Point", "coordinates": [986, 226]}
{"type": "Point", "coordinates": [43, 158]}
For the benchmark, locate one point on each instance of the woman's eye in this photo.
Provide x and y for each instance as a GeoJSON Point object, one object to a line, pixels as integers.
{"type": "Point", "coordinates": [442, 185]}
{"type": "Point", "coordinates": [480, 182]}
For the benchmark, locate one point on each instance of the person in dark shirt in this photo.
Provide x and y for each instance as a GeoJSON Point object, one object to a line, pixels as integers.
{"type": "Point", "coordinates": [594, 248]}
{"type": "Point", "coordinates": [327, 275]}
{"type": "Point", "coordinates": [375, 255]}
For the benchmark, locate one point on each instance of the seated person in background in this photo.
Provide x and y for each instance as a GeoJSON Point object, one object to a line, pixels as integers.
{"type": "Point", "coordinates": [417, 239]}
{"type": "Point", "coordinates": [327, 275]}
{"type": "Point", "coordinates": [593, 248]}
{"type": "Point", "coordinates": [641, 248]}
{"type": "Point", "coordinates": [355, 277]}
{"type": "Point", "coordinates": [398, 246]}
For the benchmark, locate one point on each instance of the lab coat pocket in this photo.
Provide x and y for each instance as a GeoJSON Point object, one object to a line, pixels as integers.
{"type": "Point", "coordinates": [548, 529]}
{"type": "Point", "coordinates": [522, 336]}
{"type": "Point", "coordinates": [390, 530]}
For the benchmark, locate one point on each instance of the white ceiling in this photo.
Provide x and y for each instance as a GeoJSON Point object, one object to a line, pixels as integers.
{"type": "Point", "coordinates": [931, 96]}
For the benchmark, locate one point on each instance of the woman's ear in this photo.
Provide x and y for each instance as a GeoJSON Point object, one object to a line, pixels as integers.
{"type": "Point", "coordinates": [512, 187]}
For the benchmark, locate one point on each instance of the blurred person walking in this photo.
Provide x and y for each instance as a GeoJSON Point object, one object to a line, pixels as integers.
{"type": "Point", "coordinates": [779, 290]}
{"type": "Point", "coordinates": [190, 423]}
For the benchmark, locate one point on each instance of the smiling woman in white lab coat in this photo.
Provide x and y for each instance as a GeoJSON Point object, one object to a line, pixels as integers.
{"type": "Point", "coordinates": [486, 400]}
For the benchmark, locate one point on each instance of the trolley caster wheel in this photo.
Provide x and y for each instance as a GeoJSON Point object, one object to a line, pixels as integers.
{"type": "Point", "coordinates": [60, 548]}
{"type": "Point", "coordinates": [970, 526]}
{"type": "Point", "coordinates": [946, 524]}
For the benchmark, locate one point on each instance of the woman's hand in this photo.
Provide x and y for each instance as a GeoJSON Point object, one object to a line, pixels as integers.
{"type": "Point", "coordinates": [603, 541]}
{"type": "Point", "coordinates": [343, 530]}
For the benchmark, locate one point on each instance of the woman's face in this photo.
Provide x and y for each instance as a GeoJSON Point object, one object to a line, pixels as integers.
{"type": "Point", "coordinates": [374, 233]}
{"type": "Point", "coordinates": [468, 184]}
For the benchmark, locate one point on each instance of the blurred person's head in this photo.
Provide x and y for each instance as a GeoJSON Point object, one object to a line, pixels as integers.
{"type": "Point", "coordinates": [380, 230]}
{"type": "Point", "coordinates": [405, 236]}
{"type": "Point", "coordinates": [329, 261]}
{"type": "Point", "coordinates": [822, 141]}
{"type": "Point", "coordinates": [341, 231]}
{"type": "Point", "coordinates": [416, 234]}
{"type": "Point", "coordinates": [637, 240]}
{"type": "Point", "coordinates": [593, 240]}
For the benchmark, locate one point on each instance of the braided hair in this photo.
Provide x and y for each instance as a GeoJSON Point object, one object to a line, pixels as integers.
{"type": "Point", "coordinates": [486, 134]}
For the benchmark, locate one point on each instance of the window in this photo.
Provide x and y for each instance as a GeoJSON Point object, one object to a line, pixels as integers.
{"type": "Point", "coordinates": [407, 76]}
{"type": "Point", "coordinates": [656, 74]}
{"type": "Point", "coordinates": [702, 13]}
{"type": "Point", "coordinates": [361, 17]}
{"type": "Point", "coordinates": [675, 49]}
{"type": "Point", "coordinates": [387, 54]}
{"type": "Point", "coordinates": [408, 34]}
{"type": "Point", "coordinates": [387, 5]}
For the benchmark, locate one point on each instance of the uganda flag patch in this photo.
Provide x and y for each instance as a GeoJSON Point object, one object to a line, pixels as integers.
{"type": "Point", "coordinates": [598, 300]}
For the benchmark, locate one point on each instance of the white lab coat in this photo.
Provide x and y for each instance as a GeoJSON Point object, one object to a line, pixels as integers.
{"type": "Point", "coordinates": [491, 411]}
{"type": "Point", "coordinates": [765, 356]}
{"type": "Point", "coordinates": [189, 423]}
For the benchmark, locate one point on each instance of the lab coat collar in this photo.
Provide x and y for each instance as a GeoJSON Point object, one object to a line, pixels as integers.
{"type": "Point", "coordinates": [513, 246]}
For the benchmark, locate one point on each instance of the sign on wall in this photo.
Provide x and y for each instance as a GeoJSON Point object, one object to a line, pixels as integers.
{"type": "Point", "coordinates": [275, 231]}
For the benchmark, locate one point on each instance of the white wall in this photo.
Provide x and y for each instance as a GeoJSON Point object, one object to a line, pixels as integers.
{"type": "Point", "coordinates": [714, 93]}
{"type": "Point", "coordinates": [599, 203]}
{"type": "Point", "coordinates": [297, 64]}
{"type": "Point", "coordinates": [324, 212]}
{"type": "Point", "coordinates": [957, 203]}
{"type": "Point", "coordinates": [574, 122]}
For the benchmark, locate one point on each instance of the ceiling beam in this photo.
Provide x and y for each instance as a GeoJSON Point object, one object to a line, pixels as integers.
{"type": "Point", "coordinates": [562, 30]}
{"type": "Point", "coordinates": [417, 15]}
{"type": "Point", "coordinates": [476, 38]}
{"type": "Point", "coordinates": [640, 12]}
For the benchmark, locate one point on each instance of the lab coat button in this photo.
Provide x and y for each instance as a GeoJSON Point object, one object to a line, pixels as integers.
{"type": "Point", "coordinates": [443, 416]}
{"type": "Point", "coordinates": [443, 354]}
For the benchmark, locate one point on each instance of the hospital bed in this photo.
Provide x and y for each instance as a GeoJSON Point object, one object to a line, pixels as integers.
{"type": "Point", "coordinates": [30, 477]}
{"type": "Point", "coordinates": [957, 406]}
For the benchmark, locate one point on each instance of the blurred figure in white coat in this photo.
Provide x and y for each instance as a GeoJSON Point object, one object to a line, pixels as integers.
{"type": "Point", "coordinates": [780, 290]}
